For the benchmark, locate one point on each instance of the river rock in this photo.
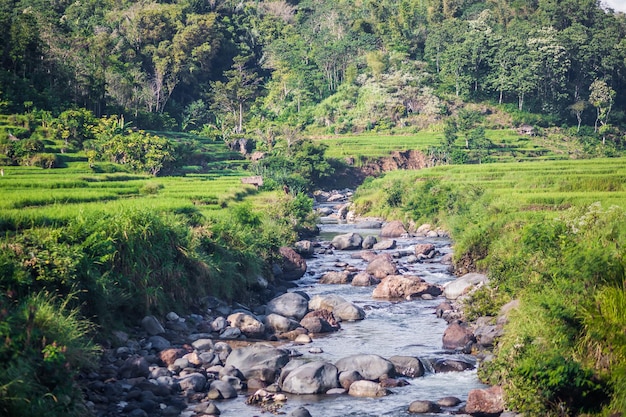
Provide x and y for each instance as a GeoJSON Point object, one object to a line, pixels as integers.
{"type": "Point", "coordinates": [279, 324]}
{"type": "Point", "coordinates": [382, 266]}
{"type": "Point", "coordinates": [304, 248]}
{"type": "Point", "coordinates": [291, 305]}
{"type": "Point", "coordinates": [393, 229]}
{"type": "Point", "coordinates": [192, 382]}
{"type": "Point", "coordinates": [230, 333]}
{"type": "Point", "coordinates": [452, 365]}
{"type": "Point", "coordinates": [423, 407]}
{"type": "Point", "coordinates": [485, 401]}
{"type": "Point", "coordinates": [408, 366]}
{"type": "Point", "coordinates": [225, 389]}
{"type": "Point", "coordinates": [293, 265]}
{"type": "Point", "coordinates": [326, 302]}
{"type": "Point", "coordinates": [219, 324]}
{"type": "Point", "coordinates": [457, 336]}
{"type": "Point", "coordinates": [303, 339]}
{"type": "Point", "coordinates": [320, 321]}
{"type": "Point", "coordinates": [369, 366]}
{"type": "Point", "coordinates": [404, 286]}
{"type": "Point", "coordinates": [347, 241]}
{"type": "Point", "coordinates": [369, 242]}
{"type": "Point", "coordinates": [299, 412]}
{"type": "Point", "coordinates": [454, 289]}
{"type": "Point", "coordinates": [364, 279]}
{"type": "Point", "coordinates": [449, 402]}
{"type": "Point", "coordinates": [346, 378]}
{"type": "Point", "coordinates": [348, 312]}
{"type": "Point", "coordinates": [425, 250]}
{"type": "Point", "coordinates": [168, 356]}
{"type": "Point", "coordinates": [134, 367]}
{"type": "Point", "coordinates": [258, 361]}
{"type": "Point", "coordinates": [367, 389]}
{"type": "Point", "coordinates": [159, 343]}
{"type": "Point", "coordinates": [386, 244]}
{"type": "Point", "coordinates": [250, 326]}
{"type": "Point", "coordinates": [152, 325]}
{"type": "Point", "coordinates": [336, 277]}
{"type": "Point", "coordinates": [369, 224]}
{"type": "Point", "coordinates": [311, 378]}
{"type": "Point", "coordinates": [487, 333]}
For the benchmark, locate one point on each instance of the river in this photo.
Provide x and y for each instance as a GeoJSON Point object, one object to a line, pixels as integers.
{"type": "Point", "coordinates": [408, 328]}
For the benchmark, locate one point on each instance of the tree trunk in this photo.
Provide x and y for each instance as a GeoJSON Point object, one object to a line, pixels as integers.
{"type": "Point", "coordinates": [520, 101]}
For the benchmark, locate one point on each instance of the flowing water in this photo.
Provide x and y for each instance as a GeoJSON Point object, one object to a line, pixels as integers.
{"type": "Point", "coordinates": [408, 328]}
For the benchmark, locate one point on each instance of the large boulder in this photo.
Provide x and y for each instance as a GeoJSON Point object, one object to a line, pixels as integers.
{"type": "Point", "coordinates": [386, 244]}
{"type": "Point", "coordinates": [454, 289]}
{"type": "Point", "coordinates": [348, 312]}
{"type": "Point", "coordinates": [320, 321]}
{"type": "Point", "coordinates": [444, 365]}
{"type": "Point", "coordinates": [481, 402]}
{"type": "Point", "coordinates": [250, 326]}
{"type": "Point", "coordinates": [152, 325]}
{"type": "Point", "coordinates": [404, 286]}
{"type": "Point", "coordinates": [423, 407]}
{"type": "Point", "coordinates": [304, 248]}
{"type": "Point", "coordinates": [408, 366]}
{"type": "Point", "coordinates": [336, 277]}
{"type": "Point", "coordinates": [292, 264]}
{"type": "Point", "coordinates": [369, 366]}
{"type": "Point", "coordinates": [425, 250]}
{"type": "Point", "coordinates": [457, 336]}
{"type": "Point", "coordinates": [486, 333]}
{"type": "Point", "coordinates": [311, 378]}
{"type": "Point", "coordinates": [369, 242]}
{"type": "Point", "coordinates": [291, 305]}
{"type": "Point", "coordinates": [393, 229]}
{"type": "Point", "coordinates": [367, 389]}
{"type": "Point", "coordinates": [382, 266]}
{"type": "Point", "coordinates": [347, 241]}
{"type": "Point", "coordinates": [258, 361]}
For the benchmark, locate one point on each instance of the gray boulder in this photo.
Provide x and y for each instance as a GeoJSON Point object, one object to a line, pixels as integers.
{"type": "Point", "coordinates": [250, 326]}
{"type": "Point", "coordinates": [382, 266]}
{"type": "Point", "coordinates": [299, 412]}
{"type": "Point", "coordinates": [423, 407]}
{"type": "Point", "coordinates": [152, 325]}
{"type": "Point", "coordinates": [292, 265]}
{"type": "Point", "coordinates": [363, 279]}
{"type": "Point", "coordinates": [159, 343]}
{"type": "Point", "coordinates": [348, 312]}
{"type": "Point", "coordinates": [336, 277]}
{"type": "Point", "coordinates": [393, 229]}
{"type": "Point", "coordinates": [369, 366]}
{"type": "Point", "coordinates": [279, 324]}
{"type": "Point", "coordinates": [386, 244]}
{"type": "Point", "coordinates": [304, 248]}
{"type": "Point", "coordinates": [291, 305]}
{"type": "Point", "coordinates": [404, 286]}
{"type": "Point", "coordinates": [369, 242]}
{"type": "Point", "coordinates": [192, 382]}
{"type": "Point", "coordinates": [457, 336]}
{"type": "Point", "coordinates": [369, 224]}
{"type": "Point", "coordinates": [408, 366]}
{"type": "Point", "coordinates": [326, 302]}
{"type": "Point", "coordinates": [259, 361]}
{"type": "Point", "coordinates": [462, 285]}
{"type": "Point", "coordinates": [347, 241]}
{"type": "Point", "coordinates": [311, 378]}
{"type": "Point", "coordinates": [224, 389]}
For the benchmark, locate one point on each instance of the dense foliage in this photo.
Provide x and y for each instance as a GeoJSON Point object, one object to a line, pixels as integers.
{"type": "Point", "coordinates": [551, 236]}
{"type": "Point", "coordinates": [235, 67]}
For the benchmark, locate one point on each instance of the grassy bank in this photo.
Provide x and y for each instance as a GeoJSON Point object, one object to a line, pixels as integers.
{"type": "Point", "coordinates": [551, 234]}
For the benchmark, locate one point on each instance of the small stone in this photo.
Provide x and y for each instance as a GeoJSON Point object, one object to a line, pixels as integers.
{"type": "Point", "coordinates": [171, 316]}
{"type": "Point", "coordinates": [316, 350]}
{"type": "Point", "coordinates": [449, 402]}
{"type": "Point", "coordinates": [303, 339]}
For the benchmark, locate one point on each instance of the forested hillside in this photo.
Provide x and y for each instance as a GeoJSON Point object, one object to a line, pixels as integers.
{"type": "Point", "coordinates": [226, 67]}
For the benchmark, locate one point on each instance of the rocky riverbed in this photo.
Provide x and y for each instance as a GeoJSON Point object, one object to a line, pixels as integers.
{"type": "Point", "coordinates": [369, 326]}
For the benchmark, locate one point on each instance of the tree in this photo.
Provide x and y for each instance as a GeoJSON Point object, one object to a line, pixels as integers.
{"type": "Point", "coordinates": [577, 109]}
{"type": "Point", "coordinates": [232, 98]}
{"type": "Point", "coordinates": [601, 96]}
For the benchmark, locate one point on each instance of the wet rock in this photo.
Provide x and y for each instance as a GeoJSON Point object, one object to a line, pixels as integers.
{"type": "Point", "coordinates": [299, 412]}
{"type": "Point", "coordinates": [364, 279]}
{"type": "Point", "coordinates": [393, 229]}
{"type": "Point", "coordinates": [449, 402]}
{"type": "Point", "coordinates": [404, 286]}
{"type": "Point", "coordinates": [261, 361]}
{"type": "Point", "coordinates": [152, 325]}
{"type": "Point", "coordinates": [316, 350]}
{"type": "Point", "coordinates": [291, 305]}
{"type": "Point", "coordinates": [387, 244]}
{"type": "Point", "coordinates": [425, 250]}
{"type": "Point", "coordinates": [382, 266]}
{"type": "Point", "coordinates": [367, 389]}
{"type": "Point", "coordinates": [224, 389]}
{"type": "Point", "coordinates": [311, 378]}
{"type": "Point", "coordinates": [408, 366]}
{"type": "Point", "coordinates": [423, 407]}
{"type": "Point", "coordinates": [348, 312]}
{"type": "Point", "coordinates": [346, 378]}
{"type": "Point", "coordinates": [452, 365]}
{"type": "Point", "coordinates": [462, 285]}
{"type": "Point", "coordinates": [292, 264]}
{"type": "Point", "coordinates": [369, 242]}
{"type": "Point", "coordinates": [369, 366]}
{"type": "Point", "coordinates": [481, 402]}
{"type": "Point", "coordinates": [303, 339]}
{"type": "Point", "coordinates": [336, 391]}
{"type": "Point", "coordinates": [250, 326]}
{"type": "Point", "coordinates": [347, 241]}
{"type": "Point", "coordinates": [442, 308]}
{"type": "Point", "coordinates": [457, 336]}
{"type": "Point", "coordinates": [320, 321]}
{"type": "Point", "coordinates": [336, 277]}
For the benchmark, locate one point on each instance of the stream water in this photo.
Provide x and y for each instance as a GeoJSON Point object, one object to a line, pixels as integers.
{"type": "Point", "coordinates": [408, 328]}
